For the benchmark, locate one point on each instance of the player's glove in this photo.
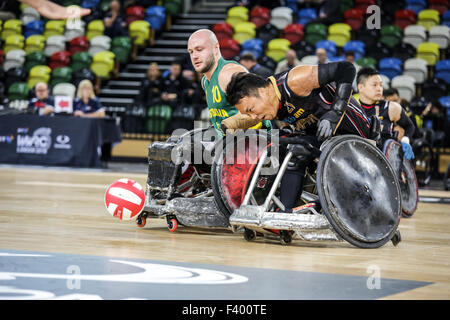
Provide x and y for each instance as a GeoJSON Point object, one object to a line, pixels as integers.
{"type": "Point", "coordinates": [407, 149]}
{"type": "Point", "coordinates": [327, 125]}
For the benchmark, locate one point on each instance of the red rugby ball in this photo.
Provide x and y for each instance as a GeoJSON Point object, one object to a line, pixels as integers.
{"type": "Point", "coordinates": [125, 199]}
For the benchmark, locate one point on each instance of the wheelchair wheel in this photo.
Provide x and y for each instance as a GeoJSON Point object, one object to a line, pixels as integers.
{"type": "Point", "coordinates": [233, 168]}
{"type": "Point", "coordinates": [423, 162]}
{"type": "Point", "coordinates": [406, 176]}
{"type": "Point", "coordinates": [358, 191]}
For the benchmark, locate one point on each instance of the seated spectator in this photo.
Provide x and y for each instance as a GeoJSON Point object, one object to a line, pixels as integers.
{"type": "Point", "coordinates": [173, 86]}
{"type": "Point", "coordinates": [249, 61]}
{"type": "Point", "coordinates": [194, 94]}
{"type": "Point", "coordinates": [115, 24]}
{"type": "Point", "coordinates": [42, 104]}
{"type": "Point", "coordinates": [86, 104]}
{"type": "Point", "coordinates": [290, 62]}
{"type": "Point", "coordinates": [151, 87]}
{"type": "Point", "coordinates": [321, 55]}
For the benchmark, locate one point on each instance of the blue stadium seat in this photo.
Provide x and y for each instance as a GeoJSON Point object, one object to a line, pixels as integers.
{"type": "Point", "coordinates": [443, 70]}
{"type": "Point", "coordinates": [89, 3]}
{"type": "Point", "coordinates": [292, 4]}
{"type": "Point", "coordinates": [305, 15]}
{"type": "Point", "coordinates": [415, 5]}
{"type": "Point", "coordinates": [255, 46]}
{"type": "Point", "coordinates": [446, 18]}
{"type": "Point", "coordinates": [156, 16]}
{"type": "Point", "coordinates": [33, 27]}
{"type": "Point", "coordinates": [390, 67]}
{"type": "Point", "coordinates": [329, 46]}
{"type": "Point", "coordinates": [357, 47]}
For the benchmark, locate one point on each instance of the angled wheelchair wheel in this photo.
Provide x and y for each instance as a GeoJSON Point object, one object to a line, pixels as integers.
{"type": "Point", "coordinates": [233, 168]}
{"type": "Point", "coordinates": [358, 191]}
{"type": "Point", "coordinates": [406, 176]}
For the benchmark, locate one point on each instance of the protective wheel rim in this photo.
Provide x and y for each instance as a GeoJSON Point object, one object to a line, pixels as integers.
{"type": "Point", "coordinates": [358, 191]}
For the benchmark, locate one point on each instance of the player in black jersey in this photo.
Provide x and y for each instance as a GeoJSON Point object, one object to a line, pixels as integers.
{"type": "Point", "coordinates": [391, 114]}
{"type": "Point", "coordinates": [315, 99]}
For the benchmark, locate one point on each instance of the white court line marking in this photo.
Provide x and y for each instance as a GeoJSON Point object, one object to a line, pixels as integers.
{"type": "Point", "coordinates": [63, 184]}
{"type": "Point", "coordinates": [7, 254]}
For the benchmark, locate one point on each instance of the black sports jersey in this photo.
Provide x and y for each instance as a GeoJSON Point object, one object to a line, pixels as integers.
{"type": "Point", "coordinates": [304, 111]}
{"type": "Point", "coordinates": [381, 110]}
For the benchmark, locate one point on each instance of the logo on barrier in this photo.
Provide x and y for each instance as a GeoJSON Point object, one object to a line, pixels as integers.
{"type": "Point", "coordinates": [38, 143]}
{"type": "Point", "coordinates": [7, 139]}
{"type": "Point", "coordinates": [62, 142]}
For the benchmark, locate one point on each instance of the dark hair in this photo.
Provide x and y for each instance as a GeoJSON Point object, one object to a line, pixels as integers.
{"type": "Point", "coordinates": [247, 56]}
{"type": "Point", "coordinates": [365, 73]}
{"type": "Point", "coordinates": [243, 84]}
{"type": "Point", "coordinates": [390, 92]}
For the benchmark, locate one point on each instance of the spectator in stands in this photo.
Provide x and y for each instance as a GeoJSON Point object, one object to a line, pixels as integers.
{"type": "Point", "coordinates": [151, 87]}
{"type": "Point", "coordinates": [249, 61]}
{"type": "Point", "coordinates": [42, 104]}
{"type": "Point", "coordinates": [173, 85]}
{"type": "Point", "coordinates": [115, 24]}
{"type": "Point", "coordinates": [194, 94]}
{"type": "Point", "coordinates": [321, 55]}
{"type": "Point", "coordinates": [86, 104]}
{"type": "Point", "coordinates": [290, 62]}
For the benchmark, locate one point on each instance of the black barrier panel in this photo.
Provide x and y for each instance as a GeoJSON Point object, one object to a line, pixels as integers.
{"type": "Point", "coordinates": [57, 141]}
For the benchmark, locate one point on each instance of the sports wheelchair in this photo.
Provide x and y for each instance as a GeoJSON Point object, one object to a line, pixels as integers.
{"type": "Point", "coordinates": [351, 192]}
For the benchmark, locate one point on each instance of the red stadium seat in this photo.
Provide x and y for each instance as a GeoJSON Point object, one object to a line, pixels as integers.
{"type": "Point", "coordinates": [363, 4]}
{"type": "Point", "coordinates": [293, 32]}
{"type": "Point", "coordinates": [2, 57]}
{"type": "Point", "coordinates": [59, 59]}
{"type": "Point", "coordinates": [404, 18]}
{"type": "Point", "coordinates": [78, 44]}
{"type": "Point", "coordinates": [223, 30]}
{"type": "Point", "coordinates": [134, 13]}
{"type": "Point", "coordinates": [439, 5]}
{"type": "Point", "coordinates": [229, 48]}
{"type": "Point", "coordinates": [260, 16]}
{"type": "Point", "coordinates": [354, 18]}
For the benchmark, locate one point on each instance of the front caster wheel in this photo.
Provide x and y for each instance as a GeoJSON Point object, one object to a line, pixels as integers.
{"type": "Point", "coordinates": [172, 224]}
{"type": "Point", "coordinates": [249, 234]}
{"type": "Point", "coordinates": [285, 237]}
{"type": "Point", "coordinates": [140, 221]}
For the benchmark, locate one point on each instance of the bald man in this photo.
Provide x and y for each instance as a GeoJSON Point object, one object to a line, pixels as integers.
{"type": "Point", "coordinates": [204, 51]}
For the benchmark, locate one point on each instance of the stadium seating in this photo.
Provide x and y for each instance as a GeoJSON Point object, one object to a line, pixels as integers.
{"type": "Point", "coordinates": [367, 62]}
{"type": "Point", "coordinates": [80, 60]}
{"type": "Point", "coordinates": [428, 18]}
{"type": "Point", "coordinates": [95, 28]}
{"type": "Point", "coordinates": [78, 44]}
{"type": "Point", "coordinates": [38, 74]}
{"type": "Point", "coordinates": [229, 48]}
{"type": "Point", "coordinates": [446, 18]}
{"type": "Point", "coordinates": [103, 64]}
{"type": "Point", "coordinates": [439, 5]}
{"type": "Point", "coordinates": [316, 32]}
{"type": "Point", "coordinates": [416, 68]}
{"type": "Point", "coordinates": [293, 32]}
{"type": "Point", "coordinates": [18, 91]}
{"type": "Point", "coordinates": [98, 44]}
{"type": "Point", "coordinates": [391, 35]}
{"type": "Point", "coordinates": [280, 17]}
{"type": "Point", "coordinates": [254, 46]}
{"type": "Point", "coordinates": [363, 4]}
{"type": "Point", "coordinates": [54, 28]}
{"type": "Point", "coordinates": [415, 5]}
{"type": "Point", "coordinates": [64, 89]}
{"type": "Point", "coordinates": [35, 27]}
{"type": "Point", "coordinates": [13, 42]}
{"type": "Point", "coordinates": [140, 32]}
{"type": "Point", "coordinates": [223, 30]}
{"type": "Point", "coordinates": [329, 46]}
{"type": "Point", "coordinates": [439, 35]}
{"type": "Point", "coordinates": [11, 27]}
{"type": "Point", "coordinates": [134, 13]}
{"type": "Point", "coordinates": [306, 15]}
{"type": "Point", "coordinates": [267, 62]}
{"type": "Point", "coordinates": [405, 85]}
{"type": "Point", "coordinates": [173, 7]}
{"type": "Point", "coordinates": [404, 51]}
{"type": "Point", "coordinates": [404, 18]}
{"type": "Point", "coordinates": [390, 67]}
{"type": "Point", "coordinates": [59, 59]}
{"type": "Point", "coordinates": [122, 47]}
{"type": "Point", "coordinates": [303, 48]}
{"type": "Point", "coordinates": [236, 15]}
{"type": "Point", "coordinates": [156, 16]}
{"type": "Point", "coordinates": [29, 14]}
{"type": "Point", "coordinates": [244, 31]}
{"type": "Point", "coordinates": [74, 30]}
{"type": "Point", "coordinates": [277, 48]}
{"type": "Point", "coordinates": [260, 16]}
{"type": "Point", "coordinates": [357, 47]}
{"type": "Point", "coordinates": [267, 32]}
{"type": "Point", "coordinates": [339, 33]}
{"type": "Point", "coordinates": [158, 118]}
{"type": "Point", "coordinates": [442, 70]}
{"type": "Point", "coordinates": [35, 42]}
{"type": "Point", "coordinates": [415, 35]}
{"type": "Point", "coordinates": [429, 51]}
{"type": "Point", "coordinates": [35, 58]}
{"type": "Point", "coordinates": [54, 44]}
{"type": "Point", "coordinates": [61, 75]}
{"type": "Point", "coordinates": [13, 59]}
{"type": "Point", "coordinates": [354, 18]}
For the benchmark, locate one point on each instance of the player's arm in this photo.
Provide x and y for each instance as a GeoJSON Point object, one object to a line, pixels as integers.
{"type": "Point", "coordinates": [303, 79]}
{"type": "Point", "coordinates": [52, 10]}
{"type": "Point", "coordinates": [239, 120]}
{"type": "Point", "coordinates": [398, 115]}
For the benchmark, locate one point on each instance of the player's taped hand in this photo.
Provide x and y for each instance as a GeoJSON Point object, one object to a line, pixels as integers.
{"type": "Point", "coordinates": [407, 150]}
{"type": "Point", "coordinates": [327, 125]}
